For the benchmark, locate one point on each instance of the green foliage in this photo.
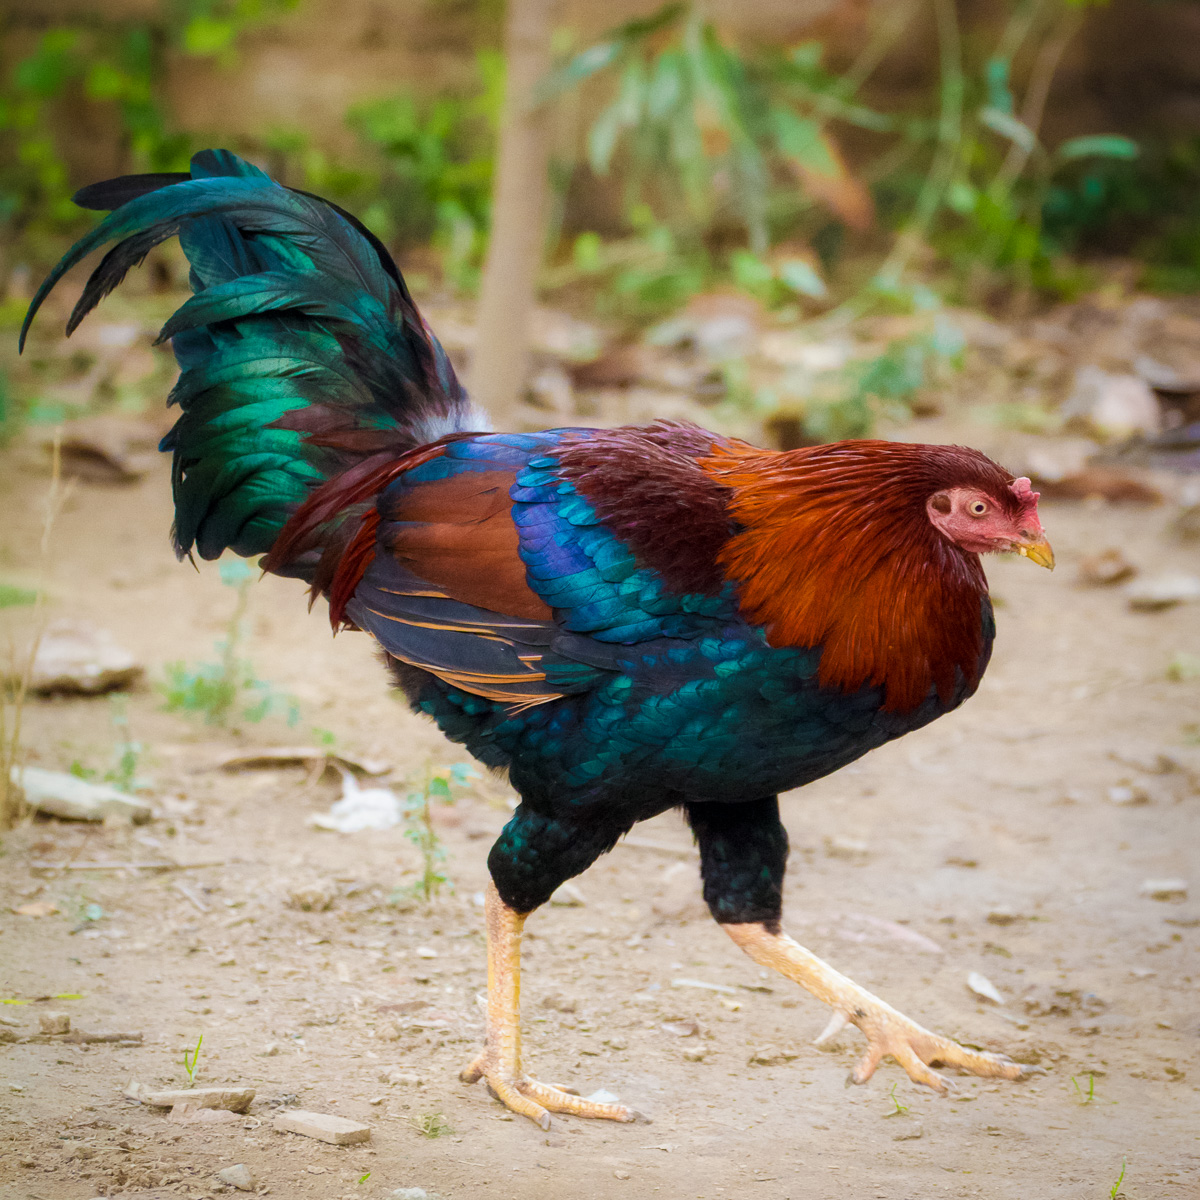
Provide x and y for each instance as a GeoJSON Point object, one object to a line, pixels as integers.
{"type": "Point", "coordinates": [191, 1061]}
{"type": "Point", "coordinates": [104, 62]}
{"type": "Point", "coordinates": [227, 689]}
{"type": "Point", "coordinates": [1082, 1095]}
{"type": "Point", "coordinates": [418, 811]}
{"type": "Point", "coordinates": [436, 161]}
{"type": "Point", "coordinates": [15, 597]}
{"type": "Point", "coordinates": [1115, 1190]}
{"type": "Point", "coordinates": [431, 1125]}
{"type": "Point", "coordinates": [127, 753]}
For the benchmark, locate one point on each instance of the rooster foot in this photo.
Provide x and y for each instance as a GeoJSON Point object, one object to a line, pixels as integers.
{"type": "Point", "coordinates": [915, 1048]}
{"type": "Point", "coordinates": [530, 1098]}
{"type": "Point", "coordinates": [888, 1032]}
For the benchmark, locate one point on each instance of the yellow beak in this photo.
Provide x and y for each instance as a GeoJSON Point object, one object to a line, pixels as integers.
{"type": "Point", "coordinates": [1038, 552]}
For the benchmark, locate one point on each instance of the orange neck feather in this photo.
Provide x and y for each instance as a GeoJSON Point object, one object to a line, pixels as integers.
{"type": "Point", "coordinates": [835, 551]}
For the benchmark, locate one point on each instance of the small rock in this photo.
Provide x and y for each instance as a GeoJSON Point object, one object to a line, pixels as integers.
{"type": "Point", "coordinates": [238, 1176]}
{"type": "Point", "coordinates": [695, 1054]}
{"type": "Point", "coordinates": [77, 659]}
{"type": "Point", "coordinates": [134, 1090]}
{"type": "Point", "coordinates": [1112, 406]}
{"type": "Point", "coordinates": [1003, 915]}
{"type": "Point", "coordinates": [8, 1035]}
{"type": "Point", "coordinates": [981, 985]}
{"type": "Point", "coordinates": [412, 1194]}
{"type": "Point", "coordinates": [425, 952]}
{"type": "Point", "coordinates": [560, 1003]}
{"type": "Point", "coordinates": [1165, 889]}
{"type": "Point", "coordinates": [55, 1022]}
{"type": "Point", "coordinates": [189, 1114]}
{"type": "Point", "coordinates": [37, 908]}
{"type": "Point", "coordinates": [1128, 796]}
{"type": "Point", "coordinates": [270, 1050]}
{"type": "Point", "coordinates": [682, 1028]}
{"type": "Point", "coordinates": [75, 799]}
{"type": "Point", "coordinates": [846, 847]}
{"type": "Point", "coordinates": [234, 1099]}
{"type": "Point", "coordinates": [322, 1126]}
{"type": "Point", "coordinates": [1162, 591]}
{"type": "Point", "coordinates": [603, 1096]}
{"type": "Point", "coordinates": [771, 1056]}
{"type": "Point", "coordinates": [1106, 569]}
{"type": "Point", "coordinates": [398, 1077]}
{"type": "Point", "coordinates": [908, 1135]}
{"type": "Point", "coordinates": [389, 1031]}
{"type": "Point", "coordinates": [567, 895]}
{"type": "Point", "coordinates": [317, 896]}
{"type": "Point", "coordinates": [619, 1174]}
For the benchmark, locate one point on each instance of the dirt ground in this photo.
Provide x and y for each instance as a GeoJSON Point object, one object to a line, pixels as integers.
{"type": "Point", "coordinates": [986, 842]}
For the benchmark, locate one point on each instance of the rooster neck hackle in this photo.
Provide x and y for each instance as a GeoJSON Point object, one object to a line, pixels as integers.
{"type": "Point", "coordinates": [835, 551]}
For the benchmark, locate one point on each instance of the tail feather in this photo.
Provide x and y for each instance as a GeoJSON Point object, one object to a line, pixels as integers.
{"type": "Point", "coordinates": [302, 352]}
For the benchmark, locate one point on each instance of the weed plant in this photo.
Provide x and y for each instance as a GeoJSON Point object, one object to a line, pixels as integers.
{"type": "Point", "coordinates": [226, 690]}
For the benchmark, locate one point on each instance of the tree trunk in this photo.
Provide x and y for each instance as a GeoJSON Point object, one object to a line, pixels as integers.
{"type": "Point", "coordinates": [500, 363]}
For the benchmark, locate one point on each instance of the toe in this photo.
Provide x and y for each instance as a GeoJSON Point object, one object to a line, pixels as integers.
{"type": "Point", "coordinates": [917, 1071]}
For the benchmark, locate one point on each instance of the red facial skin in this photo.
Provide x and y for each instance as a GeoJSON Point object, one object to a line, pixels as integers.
{"type": "Point", "coordinates": [983, 523]}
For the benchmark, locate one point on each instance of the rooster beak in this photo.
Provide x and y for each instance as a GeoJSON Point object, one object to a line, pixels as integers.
{"type": "Point", "coordinates": [1038, 552]}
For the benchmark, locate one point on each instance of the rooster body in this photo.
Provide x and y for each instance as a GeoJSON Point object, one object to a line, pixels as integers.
{"type": "Point", "coordinates": [626, 620]}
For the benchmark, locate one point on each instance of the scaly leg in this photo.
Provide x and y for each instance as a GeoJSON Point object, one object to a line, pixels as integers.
{"type": "Point", "coordinates": [888, 1031]}
{"type": "Point", "coordinates": [500, 1063]}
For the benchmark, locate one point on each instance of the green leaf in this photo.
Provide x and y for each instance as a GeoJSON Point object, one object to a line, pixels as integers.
{"type": "Point", "coordinates": [800, 138]}
{"type": "Point", "coordinates": [15, 597]}
{"type": "Point", "coordinates": [1006, 125]}
{"type": "Point", "coordinates": [801, 277]}
{"type": "Point", "coordinates": [1100, 145]}
{"type": "Point", "coordinates": [604, 53]}
{"type": "Point", "coordinates": [208, 36]}
{"type": "Point", "coordinates": [438, 786]}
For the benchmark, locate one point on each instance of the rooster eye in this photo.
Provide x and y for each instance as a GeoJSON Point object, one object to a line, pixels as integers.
{"type": "Point", "coordinates": [977, 508]}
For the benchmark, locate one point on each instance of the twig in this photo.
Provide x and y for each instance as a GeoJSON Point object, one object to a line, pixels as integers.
{"type": "Point", "coordinates": [188, 894]}
{"type": "Point", "coordinates": [14, 690]}
{"type": "Point", "coordinates": [124, 866]}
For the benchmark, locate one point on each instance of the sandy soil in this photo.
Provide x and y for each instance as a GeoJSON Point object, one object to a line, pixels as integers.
{"type": "Point", "coordinates": [1000, 811]}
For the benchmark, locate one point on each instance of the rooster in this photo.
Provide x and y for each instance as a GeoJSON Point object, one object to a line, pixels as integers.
{"type": "Point", "coordinates": [625, 620]}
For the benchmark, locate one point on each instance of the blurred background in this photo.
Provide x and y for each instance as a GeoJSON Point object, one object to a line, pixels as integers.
{"type": "Point", "coordinates": [971, 221]}
{"type": "Point", "coordinates": [794, 220]}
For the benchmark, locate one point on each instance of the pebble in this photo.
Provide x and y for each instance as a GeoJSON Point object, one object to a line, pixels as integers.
{"type": "Point", "coordinates": [620, 1174]}
{"type": "Point", "coordinates": [238, 1176]}
{"type": "Point", "coordinates": [1003, 915]}
{"type": "Point", "coordinates": [981, 985]}
{"type": "Point", "coordinates": [771, 1056]}
{"type": "Point", "coordinates": [412, 1194]}
{"type": "Point", "coordinates": [313, 897]}
{"type": "Point", "coordinates": [322, 1126]}
{"type": "Point", "coordinates": [908, 1135]}
{"type": "Point", "coordinates": [78, 659]}
{"type": "Point", "coordinates": [270, 1050]}
{"type": "Point", "coordinates": [75, 799]}
{"type": "Point", "coordinates": [233, 1099]}
{"type": "Point", "coordinates": [695, 1054]}
{"type": "Point", "coordinates": [1128, 796]}
{"type": "Point", "coordinates": [1162, 592]}
{"type": "Point", "coordinates": [425, 952]}
{"type": "Point", "coordinates": [1165, 889]}
{"type": "Point", "coordinates": [1106, 569]}
{"type": "Point", "coordinates": [396, 1076]}
{"type": "Point", "coordinates": [55, 1022]}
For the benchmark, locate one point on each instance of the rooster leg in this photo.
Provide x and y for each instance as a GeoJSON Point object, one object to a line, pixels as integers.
{"type": "Point", "coordinates": [500, 1063]}
{"type": "Point", "coordinates": [743, 854]}
{"type": "Point", "coordinates": [888, 1031]}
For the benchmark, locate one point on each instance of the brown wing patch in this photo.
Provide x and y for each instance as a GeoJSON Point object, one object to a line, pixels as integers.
{"type": "Point", "coordinates": [458, 534]}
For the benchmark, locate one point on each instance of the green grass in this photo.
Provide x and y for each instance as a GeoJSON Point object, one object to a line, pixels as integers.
{"type": "Point", "coordinates": [431, 1125]}
{"type": "Point", "coordinates": [16, 597]}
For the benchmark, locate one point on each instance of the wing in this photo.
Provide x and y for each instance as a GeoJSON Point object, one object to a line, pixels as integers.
{"type": "Point", "coordinates": [493, 571]}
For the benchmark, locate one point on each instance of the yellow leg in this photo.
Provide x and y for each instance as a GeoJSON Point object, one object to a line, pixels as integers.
{"type": "Point", "coordinates": [887, 1031]}
{"type": "Point", "coordinates": [500, 1063]}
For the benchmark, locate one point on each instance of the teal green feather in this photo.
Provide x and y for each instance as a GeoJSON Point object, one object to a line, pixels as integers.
{"type": "Point", "coordinates": [301, 353]}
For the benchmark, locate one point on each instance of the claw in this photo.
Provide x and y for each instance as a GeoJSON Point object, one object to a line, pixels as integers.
{"type": "Point", "coordinates": [837, 1022]}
